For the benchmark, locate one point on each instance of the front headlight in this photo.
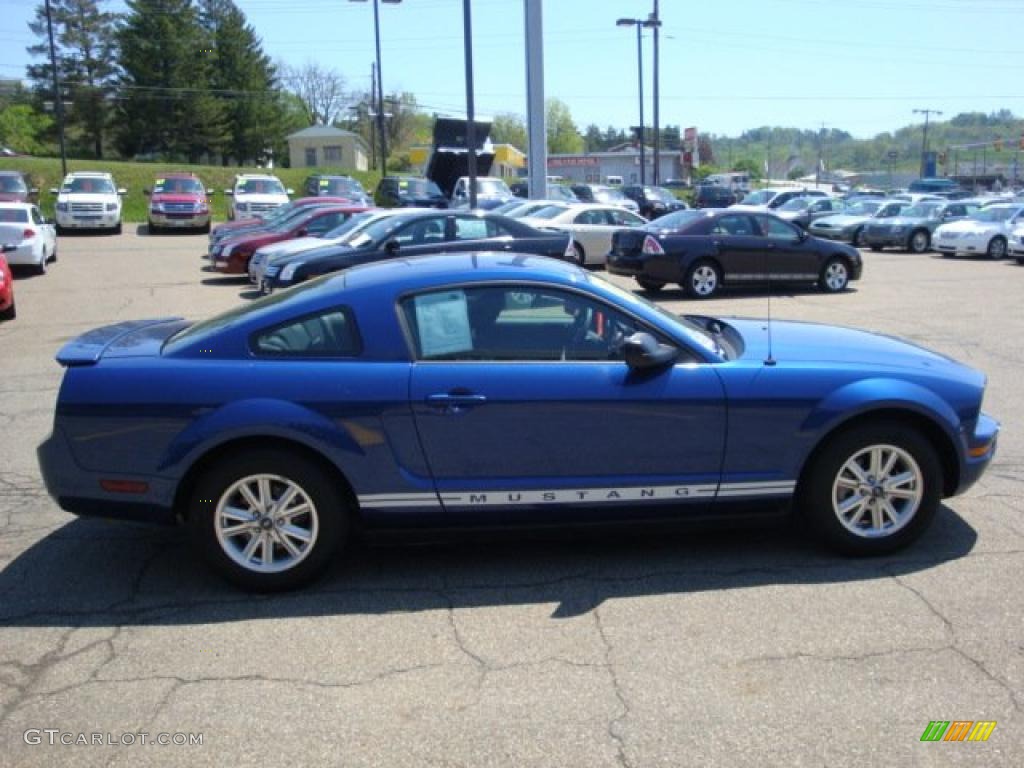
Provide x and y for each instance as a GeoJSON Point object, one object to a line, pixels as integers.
{"type": "Point", "coordinates": [156, 207]}
{"type": "Point", "coordinates": [111, 207]}
{"type": "Point", "coordinates": [62, 207]}
{"type": "Point", "coordinates": [289, 271]}
{"type": "Point", "coordinates": [225, 252]}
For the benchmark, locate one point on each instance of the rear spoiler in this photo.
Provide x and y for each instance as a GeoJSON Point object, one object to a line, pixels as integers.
{"type": "Point", "coordinates": [88, 348]}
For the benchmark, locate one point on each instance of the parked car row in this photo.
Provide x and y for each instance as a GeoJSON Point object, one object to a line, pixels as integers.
{"type": "Point", "coordinates": [27, 239]}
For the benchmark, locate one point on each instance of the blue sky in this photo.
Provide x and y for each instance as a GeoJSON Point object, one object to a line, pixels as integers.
{"type": "Point", "coordinates": [726, 65]}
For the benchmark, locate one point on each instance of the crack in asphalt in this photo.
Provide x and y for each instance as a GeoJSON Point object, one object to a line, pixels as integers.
{"type": "Point", "coordinates": [617, 723]}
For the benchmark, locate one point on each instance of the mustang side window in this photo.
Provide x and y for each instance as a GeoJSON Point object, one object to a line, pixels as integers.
{"type": "Point", "coordinates": [515, 323]}
{"type": "Point", "coordinates": [326, 334]}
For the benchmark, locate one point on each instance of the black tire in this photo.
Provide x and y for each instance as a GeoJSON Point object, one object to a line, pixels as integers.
{"type": "Point", "coordinates": [857, 241]}
{"type": "Point", "coordinates": [581, 256]}
{"type": "Point", "coordinates": [876, 247]}
{"type": "Point", "coordinates": [118, 228]}
{"type": "Point", "coordinates": [651, 286]}
{"type": "Point", "coordinates": [703, 279]}
{"type": "Point", "coordinates": [59, 230]}
{"type": "Point", "coordinates": [919, 241]}
{"type": "Point", "coordinates": [820, 489]}
{"type": "Point", "coordinates": [996, 248]}
{"type": "Point", "coordinates": [1020, 261]}
{"type": "Point", "coordinates": [40, 268]}
{"type": "Point", "coordinates": [10, 313]}
{"type": "Point", "coordinates": [152, 229]}
{"type": "Point", "coordinates": [835, 275]}
{"type": "Point", "coordinates": [206, 229]}
{"type": "Point", "coordinates": [327, 521]}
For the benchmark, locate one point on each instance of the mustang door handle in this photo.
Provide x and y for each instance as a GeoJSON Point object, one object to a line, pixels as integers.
{"type": "Point", "coordinates": [455, 402]}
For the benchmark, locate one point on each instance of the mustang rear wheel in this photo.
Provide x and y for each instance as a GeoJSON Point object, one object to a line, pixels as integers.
{"type": "Point", "coordinates": [267, 520]}
{"type": "Point", "coordinates": [872, 489]}
{"type": "Point", "coordinates": [835, 276]}
{"type": "Point", "coordinates": [703, 280]}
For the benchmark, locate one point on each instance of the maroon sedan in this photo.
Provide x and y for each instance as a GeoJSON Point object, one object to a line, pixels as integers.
{"type": "Point", "coordinates": [14, 188]}
{"type": "Point", "coordinates": [232, 255]}
{"type": "Point", "coordinates": [229, 228]}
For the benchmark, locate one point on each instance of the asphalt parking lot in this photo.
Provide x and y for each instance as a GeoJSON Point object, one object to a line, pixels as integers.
{"type": "Point", "coordinates": [729, 648]}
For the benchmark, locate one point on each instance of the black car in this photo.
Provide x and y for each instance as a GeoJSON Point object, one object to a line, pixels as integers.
{"type": "Point", "coordinates": [702, 250]}
{"type": "Point", "coordinates": [653, 201]}
{"type": "Point", "coordinates": [713, 196]}
{"type": "Point", "coordinates": [409, 192]}
{"type": "Point", "coordinates": [415, 233]}
{"type": "Point", "coordinates": [321, 185]}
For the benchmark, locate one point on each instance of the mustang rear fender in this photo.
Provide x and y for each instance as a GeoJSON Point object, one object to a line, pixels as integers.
{"type": "Point", "coordinates": [892, 400]}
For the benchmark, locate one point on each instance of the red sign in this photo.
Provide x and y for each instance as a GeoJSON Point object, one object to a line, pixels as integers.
{"type": "Point", "coordinates": [690, 134]}
{"type": "Point", "coordinates": [570, 162]}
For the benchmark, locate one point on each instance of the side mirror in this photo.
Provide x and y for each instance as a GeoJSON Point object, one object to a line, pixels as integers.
{"type": "Point", "coordinates": [122, 191]}
{"type": "Point", "coordinates": [289, 191]}
{"type": "Point", "coordinates": [53, 191]}
{"type": "Point", "coordinates": [643, 352]}
{"type": "Point", "coordinates": [392, 246]}
{"type": "Point", "coordinates": [146, 192]}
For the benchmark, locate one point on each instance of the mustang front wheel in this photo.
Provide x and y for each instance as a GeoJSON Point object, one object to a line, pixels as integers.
{"type": "Point", "coordinates": [267, 520]}
{"type": "Point", "coordinates": [873, 489]}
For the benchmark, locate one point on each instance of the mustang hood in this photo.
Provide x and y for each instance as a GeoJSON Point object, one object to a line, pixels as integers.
{"type": "Point", "coordinates": [797, 342]}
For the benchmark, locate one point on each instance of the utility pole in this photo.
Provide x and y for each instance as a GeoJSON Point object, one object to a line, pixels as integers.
{"type": "Point", "coordinates": [817, 170]}
{"type": "Point", "coordinates": [58, 97]}
{"type": "Point", "coordinates": [924, 138]}
{"type": "Point", "coordinates": [537, 158]}
{"type": "Point", "coordinates": [656, 23]}
{"type": "Point", "coordinates": [467, 35]}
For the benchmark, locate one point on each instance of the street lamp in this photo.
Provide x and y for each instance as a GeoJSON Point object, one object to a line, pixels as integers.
{"type": "Point", "coordinates": [639, 24]}
{"type": "Point", "coordinates": [380, 83]}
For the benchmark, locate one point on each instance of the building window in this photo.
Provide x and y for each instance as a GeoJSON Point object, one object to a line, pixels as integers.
{"type": "Point", "coordinates": [310, 157]}
{"type": "Point", "coordinates": [332, 155]}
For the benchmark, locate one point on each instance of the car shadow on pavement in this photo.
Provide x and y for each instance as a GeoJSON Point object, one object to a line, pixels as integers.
{"type": "Point", "coordinates": [224, 279]}
{"type": "Point", "coordinates": [100, 573]}
{"type": "Point", "coordinates": [778, 291]}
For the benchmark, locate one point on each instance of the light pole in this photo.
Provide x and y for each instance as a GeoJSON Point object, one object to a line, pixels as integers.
{"type": "Point", "coordinates": [380, 83]}
{"type": "Point", "coordinates": [640, 24]}
{"type": "Point", "coordinates": [467, 42]}
{"type": "Point", "coordinates": [924, 138]}
{"type": "Point", "coordinates": [654, 21]}
{"type": "Point", "coordinates": [58, 97]}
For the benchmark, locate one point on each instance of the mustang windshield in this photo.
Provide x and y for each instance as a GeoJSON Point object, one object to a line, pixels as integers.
{"type": "Point", "coordinates": [691, 330]}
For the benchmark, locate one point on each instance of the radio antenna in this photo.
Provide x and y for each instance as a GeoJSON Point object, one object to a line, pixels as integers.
{"type": "Point", "coordinates": [768, 275]}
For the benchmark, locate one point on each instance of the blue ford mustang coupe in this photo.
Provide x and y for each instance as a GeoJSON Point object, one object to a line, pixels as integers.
{"type": "Point", "coordinates": [498, 389]}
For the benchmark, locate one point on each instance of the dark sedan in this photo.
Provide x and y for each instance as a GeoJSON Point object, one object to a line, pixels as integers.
{"type": "Point", "coordinates": [702, 250]}
{"type": "Point", "coordinates": [653, 201]}
{"type": "Point", "coordinates": [417, 233]}
{"type": "Point", "coordinates": [409, 192]}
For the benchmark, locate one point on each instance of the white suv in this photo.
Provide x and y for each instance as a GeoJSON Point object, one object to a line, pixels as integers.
{"type": "Point", "coordinates": [88, 200]}
{"type": "Point", "coordinates": [255, 194]}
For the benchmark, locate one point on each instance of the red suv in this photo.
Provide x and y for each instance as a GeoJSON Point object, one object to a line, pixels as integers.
{"type": "Point", "coordinates": [178, 201]}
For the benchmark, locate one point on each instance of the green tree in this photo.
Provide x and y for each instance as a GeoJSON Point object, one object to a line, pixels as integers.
{"type": "Point", "coordinates": [509, 129]}
{"type": "Point", "coordinates": [244, 80]}
{"type": "Point", "coordinates": [84, 39]}
{"type": "Point", "coordinates": [563, 138]}
{"type": "Point", "coordinates": [23, 129]}
{"type": "Point", "coordinates": [168, 106]}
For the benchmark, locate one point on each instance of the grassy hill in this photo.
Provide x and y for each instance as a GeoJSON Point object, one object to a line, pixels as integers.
{"type": "Point", "coordinates": [45, 174]}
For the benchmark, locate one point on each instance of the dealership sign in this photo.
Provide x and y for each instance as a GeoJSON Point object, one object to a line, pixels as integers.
{"type": "Point", "coordinates": [569, 162]}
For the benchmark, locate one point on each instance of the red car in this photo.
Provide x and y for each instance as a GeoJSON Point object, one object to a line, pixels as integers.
{"type": "Point", "coordinates": [233, 254]}
{"type": "Point", "coordinates": [178, 201]}
{"type": "Point", "coordinates": [6, 288]}
{"type": "Point", "coordinates": [229, 227]}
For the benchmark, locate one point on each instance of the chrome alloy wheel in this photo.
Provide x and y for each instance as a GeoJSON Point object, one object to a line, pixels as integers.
{"type": "Point", "coordinates": [877, 491]}
{"type": "Point", "coordinates": [704, 280]}
{"type": "Point", "coordinates": [837, 276]}
{"type": "Point", "coordinates": [266, 523]}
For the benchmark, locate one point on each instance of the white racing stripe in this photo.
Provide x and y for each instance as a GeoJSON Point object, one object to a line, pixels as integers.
{"type": "Point", "coordinates": [610, 495]}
